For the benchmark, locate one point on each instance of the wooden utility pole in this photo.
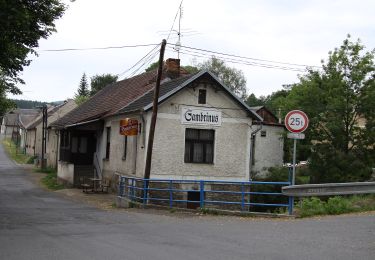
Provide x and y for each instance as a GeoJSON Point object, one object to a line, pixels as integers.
{"type": "Point", "coordinates": [154, 112]}
{"type": "Point", "coordinates": [44, 136]}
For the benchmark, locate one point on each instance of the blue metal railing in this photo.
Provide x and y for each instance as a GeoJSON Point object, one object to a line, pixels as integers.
{"type": "Point", "coordinates": [236, 195]}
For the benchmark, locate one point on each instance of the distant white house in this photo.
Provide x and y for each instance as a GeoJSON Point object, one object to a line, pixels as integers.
{"type": "Point", "coordinates": [14, 123]}
{"type": "Point", "coordinates": [267, 148]}
{"type": "Point", "coordinates": [33, 133]}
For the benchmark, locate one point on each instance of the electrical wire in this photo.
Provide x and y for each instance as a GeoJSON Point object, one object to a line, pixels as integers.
{"type": "Point", "coordinates": [239, 61]}
{"type": "Point", "coordinates": [100, 48]}
{"type": "Point", "coordinates": [150, 55]}
{"type": "Point", "coordinates": [246, 58]}
{"type": "Point", "coordinates": [202, 53]}
{"type": "Point", "coordinates": [145, 63]}
{"type": "Point", "coordinates": [248, 63]}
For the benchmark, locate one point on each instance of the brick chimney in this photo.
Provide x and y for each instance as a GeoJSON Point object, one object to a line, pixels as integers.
{"type": "Point", "coordinates": [172, 68]}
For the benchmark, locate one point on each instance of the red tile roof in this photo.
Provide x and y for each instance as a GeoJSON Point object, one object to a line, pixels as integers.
{"type": "Point", "coordinates": [110, 99]}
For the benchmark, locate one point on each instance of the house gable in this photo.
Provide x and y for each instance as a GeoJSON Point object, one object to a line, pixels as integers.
{"type": "Point", "coordinates": [168, 89]}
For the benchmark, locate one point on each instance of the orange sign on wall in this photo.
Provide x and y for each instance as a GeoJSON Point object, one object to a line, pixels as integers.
{"type": "Point", "coordinates": [129, 127]}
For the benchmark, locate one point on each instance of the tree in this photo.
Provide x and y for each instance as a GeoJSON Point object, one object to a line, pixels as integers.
{"type": "Point", "coordinates": [233, 78]}
{"type": "Point", "coordinates": [336, 99]}
{"type": "Point", "coordinates": [277, 101]}
{"type": "Point", "coordinates": [153, 66]}
{"type": "Point", "coordinates": [189, 68]}
{"type": "Point", "coordinates": [5, 104]}
{"type": "Point", "coordinates": [100, 81]}
{"type": "Point", "coordinates": [253, 101]}
{"type": "Point", "coordinates": [83, 90]}
{"type": "Point", "coordinates": [22, 24]}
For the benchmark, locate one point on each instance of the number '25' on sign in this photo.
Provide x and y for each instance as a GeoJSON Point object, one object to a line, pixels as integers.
{"type": "Point", "coordinates": [296, 121]}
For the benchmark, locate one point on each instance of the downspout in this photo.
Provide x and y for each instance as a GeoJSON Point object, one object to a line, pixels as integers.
{"type": "Point", "coordinates": [252, 139]}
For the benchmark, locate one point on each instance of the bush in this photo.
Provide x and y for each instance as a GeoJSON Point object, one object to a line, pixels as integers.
{"type": "Point", "coordinates": [336, 205]}
{"type": "Point", "coordinates": [311, 206]}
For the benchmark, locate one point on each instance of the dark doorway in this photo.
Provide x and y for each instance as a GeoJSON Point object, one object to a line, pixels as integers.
{"type": "Point", "coordinates": [194, 199]}
{"type": "Point", "coordinates": [78, 147]}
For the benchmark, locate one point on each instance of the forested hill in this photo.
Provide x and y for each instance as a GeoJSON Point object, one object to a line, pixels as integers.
{"type": "Point", "coordinates": [21, 103]}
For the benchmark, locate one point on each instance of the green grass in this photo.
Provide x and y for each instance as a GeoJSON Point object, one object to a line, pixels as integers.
{"type": "Point", "coordinates": [15, 154]}
{"type": "Point", "coordinates": [50, 180]}
{"type": "Point", "coordinates": [209, 211]}
{"type": "Point", "coordinates": [335, 205]}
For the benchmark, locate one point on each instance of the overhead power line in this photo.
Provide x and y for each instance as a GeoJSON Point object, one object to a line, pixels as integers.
{"type": "Point", "coordinates": [100, 48]}
{"type": "Point", "coordinates": [241, 61]}
{"type": "Point", "coordinates": [145, 59]}
{"type": "Point", "coordinates": [246, 58]}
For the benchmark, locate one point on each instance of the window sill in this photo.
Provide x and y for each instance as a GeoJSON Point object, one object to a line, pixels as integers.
{"type": "Point", "coordinates": [200, 163]}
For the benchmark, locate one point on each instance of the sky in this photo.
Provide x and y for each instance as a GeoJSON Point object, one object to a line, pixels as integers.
{"type": "Point", "coordinates": [297, 32]}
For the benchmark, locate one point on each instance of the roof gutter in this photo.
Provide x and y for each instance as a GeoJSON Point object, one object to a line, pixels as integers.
{"type": "Point", "coordinates": [82, 123]}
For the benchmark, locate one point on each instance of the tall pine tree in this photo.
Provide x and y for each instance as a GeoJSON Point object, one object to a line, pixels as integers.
{"type": "Point", "coordinates": [83, 92]}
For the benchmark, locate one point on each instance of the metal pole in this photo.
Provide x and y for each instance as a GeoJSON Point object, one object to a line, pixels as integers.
{"type": "Point", "coordinates": [154, 113]}
{"type": "Point", "coordinates": [294, 160]}
{"type": "Point", "coordinates": [44, 135]}
{"type": "Point", "coordinates": [291, 198]}
{"type": "Point", "coordinates": [201, 194]}
{"type": "Point", "coordinates": [170, 194]}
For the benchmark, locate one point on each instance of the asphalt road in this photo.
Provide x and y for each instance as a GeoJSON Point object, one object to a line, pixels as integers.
{"type": "Point", "coordinates": [37, 224]}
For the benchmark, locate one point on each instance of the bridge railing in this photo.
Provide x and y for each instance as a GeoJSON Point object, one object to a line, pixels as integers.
{"type": "Point", "coordinates": [248, 196]}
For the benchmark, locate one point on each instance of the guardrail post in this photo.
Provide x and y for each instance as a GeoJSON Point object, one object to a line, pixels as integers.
{"type": "Point", "coordinates": [170, 194]}
{"type": "Point", "coordinates": [145, 191]}
{"type": "Point", "coordinates": [249, 200]}
{"type": "Point", "coordinates": [201, 195]}
{"type": "Point", "coordinates": [290, 206]}
{"type": "Point", "coordinates": [121, 188]}
{"type": "Point", "coordinates": [242, 196]}
{"type": "Point", "coordinates": [126, 187]}
{"type": "Point", "coordinates": [132, 190]}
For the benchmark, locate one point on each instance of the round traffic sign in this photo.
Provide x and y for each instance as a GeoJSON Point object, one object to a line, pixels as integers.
{"type": "Point", "coordinates": [296, 121]}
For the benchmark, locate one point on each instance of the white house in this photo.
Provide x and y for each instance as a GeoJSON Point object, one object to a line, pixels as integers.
{"type": "Point", "coordinates": [203, 130]}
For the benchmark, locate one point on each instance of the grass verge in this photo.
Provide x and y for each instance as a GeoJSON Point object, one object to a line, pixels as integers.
{"type": "Point", "coordinates": [335, 205]}
{"type": "Point", "coordinates": [50, 180]}
{"type": "Point", "coordinates": [15, 154]}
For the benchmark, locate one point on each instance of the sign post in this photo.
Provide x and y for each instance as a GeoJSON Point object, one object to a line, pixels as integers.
{"type": "Point", "coordinates": [296, 122]}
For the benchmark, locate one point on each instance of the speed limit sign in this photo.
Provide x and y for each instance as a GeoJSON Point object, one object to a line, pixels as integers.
{"type": "Point", "coordinates": [296, 121]}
